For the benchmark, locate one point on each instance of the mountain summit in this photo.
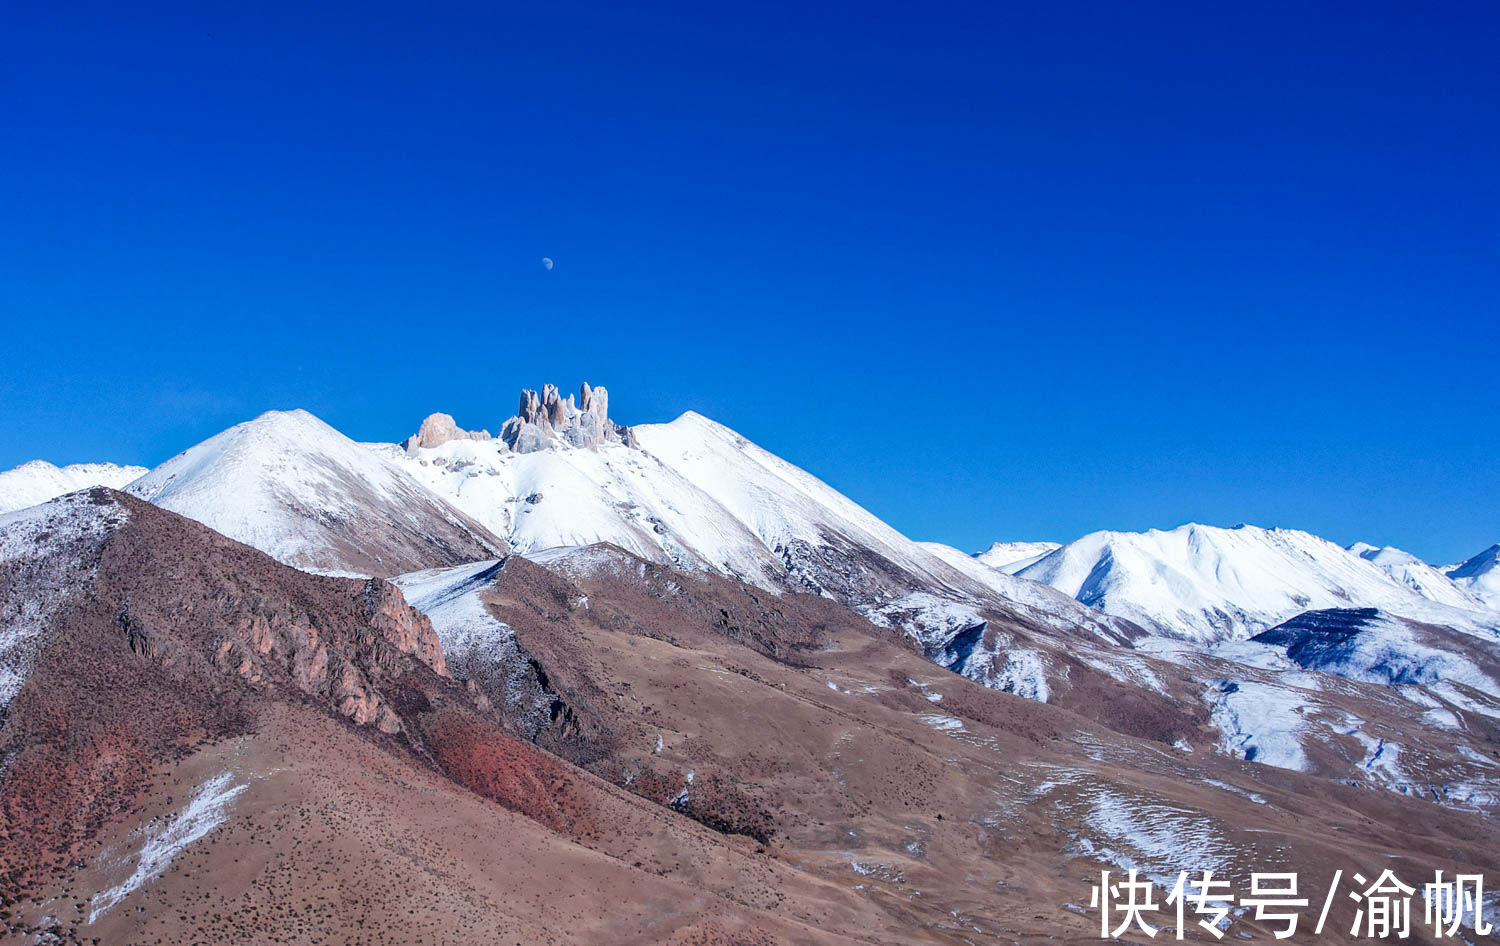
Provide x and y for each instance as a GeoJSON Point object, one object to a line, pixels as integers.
{"type": "Point", "coordinates": [1480, 576]}
{"type": "Point", "coordinates": [295, 488]}
{"type": "Point", "coordinates": [541, 421]}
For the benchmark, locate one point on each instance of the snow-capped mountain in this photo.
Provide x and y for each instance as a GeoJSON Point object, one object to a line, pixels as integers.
{"type": "Point", "coordinates": [295, 488]}
{"type": "Point", "coordinates": [1011, 557]}
{"type": "Point", "coordinates": [38, 481]}
{"type": "Point", "coordinates": [1417, 575]}
{"type": "Point", "coordinates": [1208, 583]}
{"type": "Point", "coordinates": [696, 495]}
{"type": "Point", "coordinates": [170, 685]}
{"type": "Point", "coordinates": [541, 491]}
{"type": "Point", "coordinates": [1480, 577]}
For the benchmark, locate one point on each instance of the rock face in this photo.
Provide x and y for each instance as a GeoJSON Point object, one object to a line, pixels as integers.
{"type": "Point", "coordinates": [132, 633]}
{"type": "Point", "coordinates": [339, 642]}
{"type": "Point", "coordinates": [438, 429]}
{"type": "Point", "coordinates": [543, 419]}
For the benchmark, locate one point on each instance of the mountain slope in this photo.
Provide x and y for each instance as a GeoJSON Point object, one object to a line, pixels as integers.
{"type": "Point", "coordinates": [204, 744]}
{"type": "Point", "coordinates": [1040, 602]}
{"type": "Point", "coordinates": [832, 545]}
{"type": "Point", "coordinates": [214, 747]}
{"type": "Point", "coordinates": [791, 719]}
{"type": "Point", "coordinates": [1365, 644]}
{"type": "Point", "coordinates": [39, 481]}
{"type": "Point", "coordinates": [1207, 583]}
{"type": "Point", "coordinates": [568, 496]}
{"type": "Point", "coordinates": [1011, 557]}
{"type": "Point", "coordinates": [1480, 576]}
{"type": "Point", "coordinates": [295, 488]}
{"type": "Point", "coordinates": [1417, 575]}
{"type": "Point", "coordinates": [696, 495]}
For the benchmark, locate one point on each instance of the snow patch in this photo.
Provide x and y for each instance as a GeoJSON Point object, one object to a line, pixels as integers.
{"type": "Point", "coordinates": [163, 841]}
{"type": "Point", "coordinates": [1259, 722]}
{"type": "Point", "coordinates": [1157, 839]}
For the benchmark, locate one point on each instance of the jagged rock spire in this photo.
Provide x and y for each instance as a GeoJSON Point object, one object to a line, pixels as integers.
{"type": "Point", "coordinates": [548, 417]}
{"type": "Point", "coordinates": [541, 420]}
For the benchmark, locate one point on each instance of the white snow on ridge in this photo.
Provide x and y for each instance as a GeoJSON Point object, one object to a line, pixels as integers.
{"type": "Point", "coordinates": [303, 493]}
{"type": "Point", "coordinates": [575, 496]}
{"type": "Point", "coordinates": [474, 640]}
{"type": "Point", "coordinates": [1419, 576]}
{"type": "Point", "coordinates": [38, 481]}
{"type": "Point", "coordinates": [1011, 557]}
{"type": "Point", "coordinates": [449, 597]}
{"type": "Point", "coordinates": [1207, 583]}
{"type": "Point", "coordinates": [777, 502]}
{"type": "Point", "coordinates": [788, 508]}
{"type": "Point", "coordinates": [1037, 601]}
{"type": "Point", "coordinates": [220, 481]}
{"type": "Point", "coordinates": [697, 495]}
{"type": "Point", "coordinates": [1479, 576]}
{"type": "Point", "coordinates": [1387, 650]}
{"type": "Point", "coordinates": [52, 536]}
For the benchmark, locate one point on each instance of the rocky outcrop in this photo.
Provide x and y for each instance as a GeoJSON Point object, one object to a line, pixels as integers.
{"type": "Point", "coordinates": [382, 605]}
{"type": "Point", "coordinates": [339, 641]}
{"type": "Point", "coordinates": [147, 634]}
{"type": "Point", "coordinates": [542, 420]}
{"type": "Point", "coordinates": [437, 430]}
{"type": "Point", "coordinates": [342, 650]}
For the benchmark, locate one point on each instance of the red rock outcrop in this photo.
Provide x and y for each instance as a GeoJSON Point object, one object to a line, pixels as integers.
{"type": "Point", "coordinates": [438, 429]}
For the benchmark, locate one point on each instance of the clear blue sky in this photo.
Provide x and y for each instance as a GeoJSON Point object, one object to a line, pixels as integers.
{"type": "Point", "coordinates": [994, 270]}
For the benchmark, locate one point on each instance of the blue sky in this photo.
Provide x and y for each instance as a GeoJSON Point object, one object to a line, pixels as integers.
{"type": "Point", "coordinates": [994, 270]}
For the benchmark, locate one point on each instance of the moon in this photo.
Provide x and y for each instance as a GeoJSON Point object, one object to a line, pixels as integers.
{"type": "Point", "coordinates": [546, 262]}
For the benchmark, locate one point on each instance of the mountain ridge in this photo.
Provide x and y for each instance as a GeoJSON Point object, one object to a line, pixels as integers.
{"type": "Point", "coordinates": [37, 481]}
{"type": "Point", "coordinates": [289, 484]}
{"type": "Point", "coordinates": [1207, 582]}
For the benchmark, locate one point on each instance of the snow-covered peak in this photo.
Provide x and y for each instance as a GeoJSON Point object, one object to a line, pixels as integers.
{"type": "Point", "coordinates": [780, 502]}
{"type": "Point", "coordinates": [1389, 555]}
{"type": "Point", "coordinates": [564, 494]}
{"type": "Point", "coordinates": [697, 495]}
{"type": "Point", "coordinates": [1011, 557]}
{"type": "Point", "coordinates": [38, 481]}
{"type": "Point", "coordinates": [1416, 574]}
{"type": "Point", "coordinates": [295, 488]}
{"type": "Point", "coordinates": [1480, 576]}
{"type": "Point", "coordinates": [1035, 600]}
{"type": "Point", "coordinates": [1205, 582]}
{"type": "Point", "coordinates": [831, 543]}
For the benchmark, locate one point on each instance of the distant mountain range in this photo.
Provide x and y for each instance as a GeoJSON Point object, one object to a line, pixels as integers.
{"type": "Point", "coordinates": [38, 481]}
{"type": "Point", "coordinates": [1208, 583]}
